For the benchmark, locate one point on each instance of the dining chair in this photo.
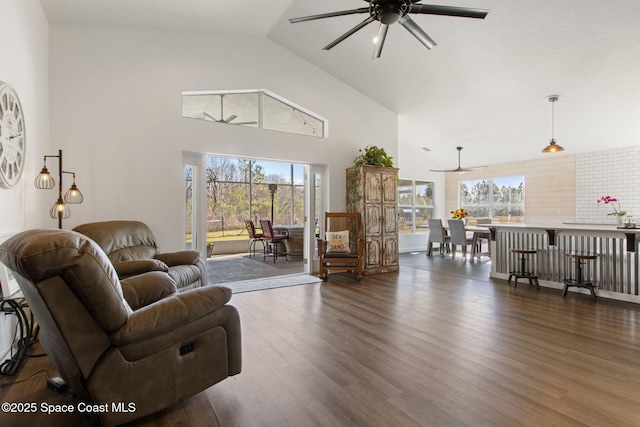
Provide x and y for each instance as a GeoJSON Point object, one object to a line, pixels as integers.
{"type": "Point", "coordinates": [459, 237]}
{"type": "Point", "coordinates": [437, 235]}
{"type": "Point", "coordinates": [272, 240]}
{"type": "Point", "coordinates": [254, 237]}
{"type": "Point", "coordinates": [481, 240]}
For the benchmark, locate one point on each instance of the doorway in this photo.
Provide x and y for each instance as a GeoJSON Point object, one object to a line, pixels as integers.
{"type": "Point", "coordinates": [231, 190]}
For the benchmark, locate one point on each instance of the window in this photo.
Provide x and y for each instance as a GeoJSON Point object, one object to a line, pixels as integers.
{"type": "Point", "coordinates": [501, 199]}
{"type": "Point", "coordinates": [415, 205]}
{"type": "Point", "coordinates": [253, 108]}
{"type": "Point", "coordinates": [239, 189]}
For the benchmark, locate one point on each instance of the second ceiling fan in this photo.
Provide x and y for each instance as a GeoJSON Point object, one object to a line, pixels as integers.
{"type": "Point", "coordinates": [388, 12]}
{"type": "Point", "coordinates": [459, 169]}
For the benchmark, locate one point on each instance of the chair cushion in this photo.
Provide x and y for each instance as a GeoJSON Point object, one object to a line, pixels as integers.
{"type": "Point", "coordinates": [339, 255]}
{"type": "Point", "coordinates": [338, 242]}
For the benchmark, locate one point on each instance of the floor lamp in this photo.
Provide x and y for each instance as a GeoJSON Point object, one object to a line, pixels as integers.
{"type": "Point", "coordinates": [272, 190]}
{"type": "Point", "coordinates": [45, 181]}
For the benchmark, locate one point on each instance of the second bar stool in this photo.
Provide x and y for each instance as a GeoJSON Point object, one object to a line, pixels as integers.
{"type": "Point", "coordinates": [579, 281]}
{"type": "Point", "coordinates": [523, 273]}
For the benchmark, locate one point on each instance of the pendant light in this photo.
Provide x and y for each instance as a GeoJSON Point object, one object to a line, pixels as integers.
{"type": "Point", "coordinates": [552, 147]}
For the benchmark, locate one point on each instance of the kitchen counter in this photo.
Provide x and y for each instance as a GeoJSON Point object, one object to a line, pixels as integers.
{"type": "Point", "coordinates": [616, 270]}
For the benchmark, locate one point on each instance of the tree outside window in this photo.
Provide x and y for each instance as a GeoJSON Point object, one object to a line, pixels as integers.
{"type": "Point", "coordinates": [500, 199]}
{"type": "Point", "coordinates": [415, 205]}
{"type": "Point", "coordinates": [238, 189]}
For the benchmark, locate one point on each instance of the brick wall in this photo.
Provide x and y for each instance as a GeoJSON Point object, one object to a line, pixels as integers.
{"type": "Point", "coordinates": [613, 173]}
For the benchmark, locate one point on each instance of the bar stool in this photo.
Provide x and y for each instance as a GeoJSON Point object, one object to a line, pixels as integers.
{"type": "Point", "coordinates": [524, 273]}
{"type": "Point", "coordinates": [579, 281]}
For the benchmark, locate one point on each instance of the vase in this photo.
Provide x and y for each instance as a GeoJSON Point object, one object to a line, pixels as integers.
{"type": "Point", "coordinates": [620, 220]}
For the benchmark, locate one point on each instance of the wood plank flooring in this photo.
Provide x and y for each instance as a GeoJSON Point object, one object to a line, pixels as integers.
{"type": "Point", "coordinates": [437, 344]}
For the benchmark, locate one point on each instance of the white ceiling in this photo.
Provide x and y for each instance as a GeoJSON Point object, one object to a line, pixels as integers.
{"type": "Point", "coordinates": [483, 87]}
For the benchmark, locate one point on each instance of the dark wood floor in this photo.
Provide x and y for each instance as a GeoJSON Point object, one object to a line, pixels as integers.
{"type": "Point", "coordinates": [437, 344]}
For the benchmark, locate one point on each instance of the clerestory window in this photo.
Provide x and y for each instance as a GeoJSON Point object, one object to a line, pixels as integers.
{"type": "Point", "coordinates": [253, 108]}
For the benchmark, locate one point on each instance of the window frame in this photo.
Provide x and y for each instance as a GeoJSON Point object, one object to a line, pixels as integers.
{"type": "Point", "coordinates": [491, 205]}
{"type": "Point", "coordinates": [414, 206]}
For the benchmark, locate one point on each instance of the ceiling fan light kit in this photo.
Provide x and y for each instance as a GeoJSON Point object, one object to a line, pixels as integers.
{"type": "Point", "coordinates": [389, 12]}
{"type": "Point", "coordinates": [553, 147]}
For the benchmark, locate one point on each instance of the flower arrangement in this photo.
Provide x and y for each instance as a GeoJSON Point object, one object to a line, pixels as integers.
{"type": "Point", "coordinates": [459, 213]}
{"type": "Point", "coordinates": [608, 200]}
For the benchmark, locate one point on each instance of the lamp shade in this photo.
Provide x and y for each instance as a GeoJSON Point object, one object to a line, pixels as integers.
{"type": "Point", "coordinates": [60, 210]}
{"type": "Point", "coordinates": [73, 195]}
{"type": "Point", "coordinates": [552, 147]}
{"type": "Point", "coordinates": [44, 180]}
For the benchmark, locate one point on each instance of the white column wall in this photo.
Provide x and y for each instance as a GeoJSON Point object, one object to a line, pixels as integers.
{"type": "Point", "coordinates": [24, 65]}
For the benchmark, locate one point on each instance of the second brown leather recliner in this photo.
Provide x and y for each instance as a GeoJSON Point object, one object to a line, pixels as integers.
{"type": "Point", "coordinates": [132, 248]}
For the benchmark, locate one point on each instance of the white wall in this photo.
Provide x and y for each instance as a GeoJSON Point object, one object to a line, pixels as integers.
{"type": "Point", "coordinates": [415, 164]}
{"type": "Point", "coordinates": [24, 65]}
{"type": "Point", "coordinates": [115, 111]}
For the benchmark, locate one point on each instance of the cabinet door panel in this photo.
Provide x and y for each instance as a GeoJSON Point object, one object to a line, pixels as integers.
{"type": "Point", "coordinates": [372, 188]}
{"type": "Point", "coordinates": [389, 187]}
{"type": "Point", "coordinates": [373, 249]}
{"type": "Point", "coordinates": [390, 253]}
{"type": "Point", "coordinates": [373, 220]}
{"type": "Point", "coordinates": [390, 219]}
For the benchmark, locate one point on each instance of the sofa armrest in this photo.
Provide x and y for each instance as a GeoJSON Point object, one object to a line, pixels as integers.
{"type": "Point", "coordinates": [135, 267]}
{"type": "Point", "coordinates": [170, 313]}
{"type": "Point", "coordinates": [179, 258]}
{"type": "Point", "coordinates": [147, 288]}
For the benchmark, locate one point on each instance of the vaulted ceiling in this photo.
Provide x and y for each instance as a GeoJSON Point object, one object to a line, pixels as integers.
{"type": "Point", "coordinates": [484, 86]}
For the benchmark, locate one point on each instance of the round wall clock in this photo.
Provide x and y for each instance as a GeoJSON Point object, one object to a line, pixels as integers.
{"type": "Point", "coordinates": [13, 138]}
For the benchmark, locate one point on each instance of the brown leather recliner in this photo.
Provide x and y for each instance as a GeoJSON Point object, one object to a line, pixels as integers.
{"type": "Point", "coordinates": [151, 349]}
{"type": "Point", "coordinates": [131, 247]}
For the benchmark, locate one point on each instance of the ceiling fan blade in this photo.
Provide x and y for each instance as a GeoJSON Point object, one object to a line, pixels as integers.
{"type": "Point", "coordinates": [329, 15]}
{"type": "Point", "coordinates": [459, 169]}
{"type": "Point", "coordinates": [209, 116]}
{"type": "Point", "coordinates": [382, 35]}
{"type": "Point", "coordinates": [231, 117]}
{"type": "Point", "coordinates": [245, 123]}
{"type": "Point", "coordinates": [418, 33]}
{"type": "Point", "coordinates": [462, 12]}
{"type": "Point", "coordinates": [352, 31]}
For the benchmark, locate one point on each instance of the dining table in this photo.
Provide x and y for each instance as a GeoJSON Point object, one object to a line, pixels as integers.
{"type": "Point", "coordinates": [295, 242]}
{"type": "Point", "coordinates": [479, 231]}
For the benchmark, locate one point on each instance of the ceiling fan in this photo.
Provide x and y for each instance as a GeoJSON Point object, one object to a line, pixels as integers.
{"type": "Point", "coordinates": [459, 169]}
{"type": "Point", "coordinates": [207, 116]}
{"type": "Point", "coordinates": [388, 12]}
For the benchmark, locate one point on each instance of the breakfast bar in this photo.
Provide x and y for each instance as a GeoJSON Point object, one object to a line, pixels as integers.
{"type": "Point", "coordinates": [615, 271]}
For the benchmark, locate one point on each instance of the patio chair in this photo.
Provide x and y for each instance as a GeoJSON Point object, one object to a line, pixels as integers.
{"type": "Point", "coordinates": [254, 237]}
{"type": "Point", "coordinates": [272, 240]}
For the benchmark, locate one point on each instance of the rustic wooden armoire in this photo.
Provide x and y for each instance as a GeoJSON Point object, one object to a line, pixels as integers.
{"type": "Point", "coordinates": [372, 191]}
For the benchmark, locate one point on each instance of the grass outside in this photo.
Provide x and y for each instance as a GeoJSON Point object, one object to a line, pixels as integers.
{"type": "Point", "coordinates": [216, 236]}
